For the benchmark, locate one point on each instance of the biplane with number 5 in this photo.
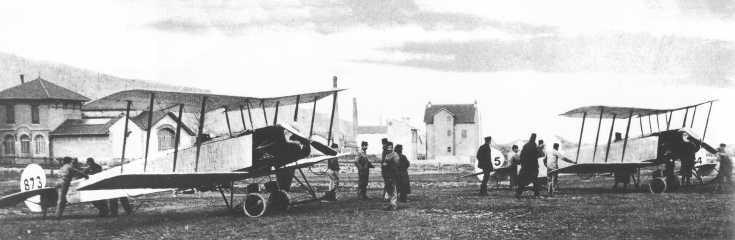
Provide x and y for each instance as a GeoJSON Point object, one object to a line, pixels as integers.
{"type": "Point", "coordinates": [658, 147]}
{"type": "Point", "coordinates": [211, 164]}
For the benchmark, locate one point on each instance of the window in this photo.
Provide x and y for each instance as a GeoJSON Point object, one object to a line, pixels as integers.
{"type": "Point", "coordinates": [9, 113]}
{"type": "Point", "coordinates": [9, 144]}
{"type": "Point", "coordinates": [34, 114]}
{"type": "Point", "coordinates": [40, 143]}
{"type": "Point", "coordinates": [166, 139]}
{"type": "Point", "coordinates": [449, 149]}
{"type": "Point", "coordinates": [449, 133]}
{"type": "Point", "coordinates": [464, 133]}
{"type": "Point", "coordinates": [449, 118]}
{"type": "Point", "coordinates": [25, 144]}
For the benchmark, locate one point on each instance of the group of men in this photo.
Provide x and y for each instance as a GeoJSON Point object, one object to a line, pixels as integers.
{"type": "Point", "coordinates": [529, 156]}
{"type": "Point", "coordinates": [393, 168]}
{"type": "Point", "coordinates": [528, 159]}
{"type": "Point", "coordinates": [69, 171]}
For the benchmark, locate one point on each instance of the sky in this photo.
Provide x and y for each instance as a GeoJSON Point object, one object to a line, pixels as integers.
{"type": "Point", "coordinates": [524, 61]}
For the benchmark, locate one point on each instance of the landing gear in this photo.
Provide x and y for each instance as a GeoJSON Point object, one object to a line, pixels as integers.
{"type": "Point", "coordinates": [257, 204]}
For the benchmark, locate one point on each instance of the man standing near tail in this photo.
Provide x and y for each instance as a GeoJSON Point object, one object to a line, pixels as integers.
{"type": "Point", "coordinates": [483, 162]}
{"type": "Point", "coordinates": [66, 173]}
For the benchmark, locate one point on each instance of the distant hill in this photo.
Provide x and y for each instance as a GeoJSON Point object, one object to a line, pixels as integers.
{"type": "Point", "coordinates": [89, 83]}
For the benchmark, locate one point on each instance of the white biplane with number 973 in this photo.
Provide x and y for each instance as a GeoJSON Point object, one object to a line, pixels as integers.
{"type": "Point", "coordinates": [273, 149]}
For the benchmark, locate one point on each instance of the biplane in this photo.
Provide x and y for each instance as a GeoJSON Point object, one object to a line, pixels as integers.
{"type": "Point", "coordinates": [210, 164]}
{"type": "Point", "coordinates": [655, 148]}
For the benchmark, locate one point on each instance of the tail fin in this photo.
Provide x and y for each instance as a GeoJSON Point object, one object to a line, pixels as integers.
{"type": "Point", "coordinates": [33, 177]}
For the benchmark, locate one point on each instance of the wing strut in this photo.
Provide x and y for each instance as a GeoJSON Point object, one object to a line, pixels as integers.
{"type": "Point", "coordinates": [627, 130]}
{"type": "Point", "coordinates": [250, 115]}
{"type": "Point", "coordinates": [597, 137]}
{"type": "Point", "coordinates": [668, 121]}
{"type": "Point", "coordinates": [686, 114]}
{"type": "Point", "coordinates": [296, 109]}
{"type": "Point", "coordinates": [640, 122]}
{"type": "Point", "coordinates": [227, 119]}
{"type": "Point", "coordinates": [275, 117]}
{"type": "Point", "coordinates": [579, 144]}
{"type": "Point", "coordinates": [178, 135]}
{"type": "Point", "coordinates": [331, 119]}
{"type": "Point", "coordinates": [200, 133]}
{"type": "Point", "coordinates": [265, 115]}
{"type": "Point", "coordinates": [707, 123]}
{"type": "Point", "coordinates": [313, 115]}
{"type": "Point", "coordinates": [609, 136]}
{"type": "Point", "coordinates": [658, 123]}
{"type": "Point", "coordinates": [242, 117]}
{"type": "Point", "coordinates": [650, 125]}
{"type": "Point", "coordinates": [125, 135]}
{"type": "Point", "coordinates": [694, 114]}
{"type": "Point", "coordinates": [148, 131]}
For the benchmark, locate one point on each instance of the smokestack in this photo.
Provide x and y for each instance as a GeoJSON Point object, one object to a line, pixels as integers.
{"type": "Point", "coordinates": [355, 124]}
{"type": "Point", "coordinates": [334, 81]}
{"type": "Point", "coordinates": [22, 79]}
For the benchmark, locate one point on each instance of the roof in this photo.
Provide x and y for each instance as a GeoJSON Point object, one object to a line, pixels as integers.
{"type": "Point", "coordinates": [140, 100]}
{"type": "Point", "coordinates": [41, 89]}
{"type": "Point", "coordinates": [463, 113]}
{"type": "Point", "coordinates": [142, 120]}
{"type": "Point", "coordinates": [372, 130]}
{"type": "Point", "coordinates": [622, 112]}
{"type": "Point", "coordinates": [85, 127]}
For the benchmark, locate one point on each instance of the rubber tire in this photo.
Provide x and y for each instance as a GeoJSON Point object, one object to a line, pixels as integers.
{"type": "Point", "coordinates": [657, 185]}
{"type": "Point", "coordinates": [255, 205]}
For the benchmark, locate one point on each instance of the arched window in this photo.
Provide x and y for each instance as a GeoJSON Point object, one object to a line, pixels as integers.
{"type": "Point", "coordinates": [165, 139]}
{"type": "Point", "coordinates": [9, 145]}
{"type": "Point", "coordinates": [25, 144]}
{"type": "Point", "coordinates": [40, 143]}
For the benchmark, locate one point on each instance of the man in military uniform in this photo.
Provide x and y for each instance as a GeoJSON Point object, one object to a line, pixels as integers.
{"type": "Point", "coordinates": [483, 162]}
{"type": "Point", "coordinates": [333, 174]}
{"type": "Point", "coordinates": [101, 205]}
{"type": "Point", "coordinates": [66, 173]}
{"type": "Point", "coordinates": [363, 171]}
{"type": "Point", "coordinates": [390, 166]}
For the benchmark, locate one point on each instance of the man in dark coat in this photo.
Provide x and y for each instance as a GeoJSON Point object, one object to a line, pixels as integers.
{"type": "Point", "coordinates": [384, 171]}
{"type": "Point", "coordinates": [67, 172]}
{"type": "Point", "coordinates": [101, 205]}
{"type": "Point", "coordinates": [724, 174]}
{"type": "Point", "coordinates": [362, 162]}
{"type": "Point", "coordinates": [687, 152]}
{"type": "Point", "coordinates": [390, 165]}
{"type": "Point", "coordinates": [483, 162]}
{"type": "Point", "coordinates": [403, 183]}
{"type": "Point", "coordinates": [293, 149]}
{"type": "Point", "coordinates": [529, 167]}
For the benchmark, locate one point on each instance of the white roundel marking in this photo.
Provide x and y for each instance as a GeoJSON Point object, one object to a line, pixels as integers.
{"type": "Point", "coordinates": [33, 178]}
{"type": "Point", "coordinates": [497, 161]}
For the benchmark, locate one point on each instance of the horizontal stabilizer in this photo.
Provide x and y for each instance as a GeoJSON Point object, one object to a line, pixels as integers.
{"type": "Point", "coordinates": [15, 198]}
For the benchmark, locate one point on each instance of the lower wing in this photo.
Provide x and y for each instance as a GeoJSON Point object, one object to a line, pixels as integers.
{"type": "Point", "coordinates": [15, 198]}
{"type": "Point", "coordinates": [601, 167]}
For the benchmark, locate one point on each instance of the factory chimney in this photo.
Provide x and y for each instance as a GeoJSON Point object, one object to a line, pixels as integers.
{"type": "Point", "coordinates": [355, 123]}
{"type": "Point", "coordinates": [22, 79]}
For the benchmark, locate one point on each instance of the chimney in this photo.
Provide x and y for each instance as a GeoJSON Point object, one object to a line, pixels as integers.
{"type": "Point", "coordinates": [355, 123]}
{"type": "Point", "coordinates": [22, 79]}
{"type": "Point", "coordinates": [334, 81]}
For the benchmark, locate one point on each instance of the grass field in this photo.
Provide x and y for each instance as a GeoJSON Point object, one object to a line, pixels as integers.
{"type": "Point", "coordinates": [441, 207]}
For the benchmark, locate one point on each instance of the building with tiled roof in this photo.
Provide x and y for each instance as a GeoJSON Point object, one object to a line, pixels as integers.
{"type": "Point", "coordinates": [452, 130]}
{"type": "Point", "coordinates": [29, 112]}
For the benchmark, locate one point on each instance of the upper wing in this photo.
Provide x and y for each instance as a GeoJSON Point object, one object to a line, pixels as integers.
{"type": "Point", "coordinates": [610, 111]}
{"type": "Point", "coordinates": [15, 198]}
{"type": "Point", "coordinates": [162, 180]}
{"type": "Point", "coordinates": [601, 167]}
{"type": "Point", "coordinates": [140, 100]}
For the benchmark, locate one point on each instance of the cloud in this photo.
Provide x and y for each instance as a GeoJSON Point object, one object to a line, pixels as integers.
{"type": "Point", "coordinates": [328, 17]}
{"type": "Point", "coordinates": [700, 61]}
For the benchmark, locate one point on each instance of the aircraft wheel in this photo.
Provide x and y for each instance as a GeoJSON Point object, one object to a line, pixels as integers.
{"type": "Point", "coordinates": [279, 200]}
{"type": "Point", "coordinates": [657, 185]}
{"type": "Point", "coordinates": [255, 205]}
